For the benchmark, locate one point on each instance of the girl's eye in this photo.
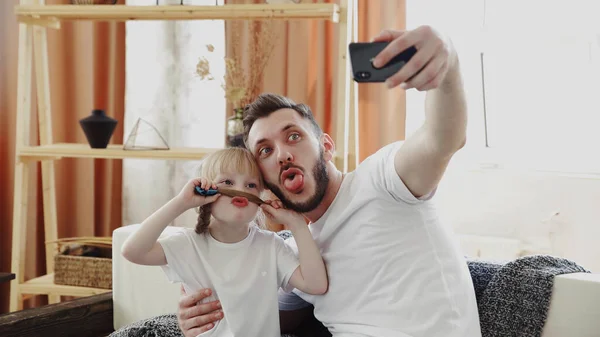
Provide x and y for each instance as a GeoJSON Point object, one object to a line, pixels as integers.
{"type": "Point", "coordinates": [252, 185]}
{"type": "Point", "coordinates": [294, 136]}
{"type": "Point", "coordinates": [228, 182]}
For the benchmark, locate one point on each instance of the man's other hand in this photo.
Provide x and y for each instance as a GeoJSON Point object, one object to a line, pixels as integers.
{"type": "Point", "coordinates": [195, 318]}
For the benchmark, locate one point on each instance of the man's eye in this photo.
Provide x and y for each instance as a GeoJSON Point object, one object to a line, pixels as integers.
{"type": "Point", "coordinates": [264, 151]}
{"type": "Point", "coordinates": [294, 136]}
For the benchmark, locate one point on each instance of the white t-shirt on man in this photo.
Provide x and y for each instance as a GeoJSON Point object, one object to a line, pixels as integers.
{"type": "Point", "coordinates": [394, 269]}
{"type": "Point", "coordinates": [245, 276]}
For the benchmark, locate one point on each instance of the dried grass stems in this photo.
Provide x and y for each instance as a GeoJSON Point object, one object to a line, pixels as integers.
{"type": "Point", "coordinates": [246, 62]}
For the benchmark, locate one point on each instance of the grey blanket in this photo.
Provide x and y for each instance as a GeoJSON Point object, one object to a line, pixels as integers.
{"type": "Point", "coordinates": [159, 326]}
{"type": "Point", "coordinates": [514, 298]}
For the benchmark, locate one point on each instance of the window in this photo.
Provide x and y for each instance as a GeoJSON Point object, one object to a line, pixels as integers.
{"type": "Point", "coordinates": [532, 77]}
{"type": "Point", "coordinates": [162, 87]}
{"type": "Point", "coordinates": [162, 84]}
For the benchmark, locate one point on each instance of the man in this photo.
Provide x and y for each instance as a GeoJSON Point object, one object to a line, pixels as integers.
{"type": "Point", "coordinates": [394, 269]}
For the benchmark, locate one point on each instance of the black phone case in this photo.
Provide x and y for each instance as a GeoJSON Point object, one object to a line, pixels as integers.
{"type": "Point", "coordinates": [362, 55]}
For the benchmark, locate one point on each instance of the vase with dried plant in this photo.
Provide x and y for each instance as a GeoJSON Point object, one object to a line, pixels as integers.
{"type": "Point", "coordinates": [244, 66]}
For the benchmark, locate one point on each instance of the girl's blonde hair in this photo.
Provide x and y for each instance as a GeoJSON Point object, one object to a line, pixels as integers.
{"type": "Point", "coordinates": [232, 159]}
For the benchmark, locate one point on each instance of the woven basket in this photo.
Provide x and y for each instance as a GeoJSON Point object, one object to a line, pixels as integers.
{"type": "Point", "coordinates": [84, 271]}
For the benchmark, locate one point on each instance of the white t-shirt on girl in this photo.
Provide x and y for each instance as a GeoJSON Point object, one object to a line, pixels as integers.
{"type": "Point", "coordinates": [245, 276]}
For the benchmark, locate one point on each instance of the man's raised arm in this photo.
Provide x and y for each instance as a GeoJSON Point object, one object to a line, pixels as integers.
{"type": "Point", "coordinates": [424, 157]}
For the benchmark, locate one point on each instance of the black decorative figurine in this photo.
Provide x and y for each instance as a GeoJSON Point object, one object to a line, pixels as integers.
{"type": "Point", "coordinates": [98, 128]}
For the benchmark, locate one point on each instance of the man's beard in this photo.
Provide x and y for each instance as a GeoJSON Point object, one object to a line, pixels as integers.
{"type": "Point", "coordinates": [321, 182]}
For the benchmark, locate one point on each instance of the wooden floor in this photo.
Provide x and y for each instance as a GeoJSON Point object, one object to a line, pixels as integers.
{"type": "Point", "coordinates": [89, 316]}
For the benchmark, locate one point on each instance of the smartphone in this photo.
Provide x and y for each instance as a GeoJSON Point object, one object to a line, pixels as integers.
{"type": "Point", "coordinates": [362, 55]}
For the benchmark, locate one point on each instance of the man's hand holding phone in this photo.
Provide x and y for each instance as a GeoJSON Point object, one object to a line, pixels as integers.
{"type": "Point", "coordinates": [424, 69]}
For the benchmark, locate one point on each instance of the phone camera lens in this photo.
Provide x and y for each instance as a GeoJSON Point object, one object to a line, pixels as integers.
{"type": "Point", "coordinates": [363, 75]}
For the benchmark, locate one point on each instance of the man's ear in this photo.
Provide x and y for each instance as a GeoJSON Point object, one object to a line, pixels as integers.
{"type": "Point", "coordinates": [328, 147]}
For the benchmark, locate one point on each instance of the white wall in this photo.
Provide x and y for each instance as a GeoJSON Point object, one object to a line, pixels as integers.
{"type": "Point", "coordinates": [497, 194]}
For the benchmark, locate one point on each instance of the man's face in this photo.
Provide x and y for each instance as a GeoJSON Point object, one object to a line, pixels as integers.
{"type": "Point", "coordinates": [291, 159]}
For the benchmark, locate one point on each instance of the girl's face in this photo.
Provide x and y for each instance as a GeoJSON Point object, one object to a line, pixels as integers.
{"type": "Point", "coordinates": [236, 210]}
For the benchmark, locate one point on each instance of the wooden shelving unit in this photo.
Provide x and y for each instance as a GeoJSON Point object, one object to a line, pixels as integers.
{"type": "Point", "coordinates": [185, 12]}
{"type": "Point", "coordinates": [35, 17]}
{"type": "Point", "coordinates": [70, 150]}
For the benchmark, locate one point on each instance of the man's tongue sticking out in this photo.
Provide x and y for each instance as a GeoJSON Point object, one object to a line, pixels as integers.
{"type": "Point", "coordinates": [294, 183]}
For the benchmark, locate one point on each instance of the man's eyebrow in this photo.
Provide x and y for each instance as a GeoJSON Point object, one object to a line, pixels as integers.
{"type": "Point", "coordinates": [288, 126]}
{"type": "Point", "coordinates": [285, 128]}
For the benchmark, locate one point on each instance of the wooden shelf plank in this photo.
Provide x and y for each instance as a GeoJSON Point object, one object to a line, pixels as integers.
{"type": "Point", "coordinates": [324, 11]}
{"type": "Point", "coordinates": [71, 150]}
{"type": "Point", "coordinates": [45, 285]}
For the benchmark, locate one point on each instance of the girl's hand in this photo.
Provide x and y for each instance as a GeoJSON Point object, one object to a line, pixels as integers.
{"type": "Point", "coordinates": [275, 211]}
{"type": "Point", "coordinates": [190, 199]}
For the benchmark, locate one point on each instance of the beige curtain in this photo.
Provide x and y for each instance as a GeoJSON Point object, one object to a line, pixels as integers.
{"type": "Point", "coordinates": [382, 112]}
{"type": "Point", "coordinates": [86, 72]}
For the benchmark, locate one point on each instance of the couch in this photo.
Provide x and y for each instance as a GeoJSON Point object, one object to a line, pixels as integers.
{"type": "Point", "coordinates": [530, 296]}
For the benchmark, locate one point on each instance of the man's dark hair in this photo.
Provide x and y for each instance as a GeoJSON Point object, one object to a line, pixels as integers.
{"type": "Point", "coordinates": [265, 104]}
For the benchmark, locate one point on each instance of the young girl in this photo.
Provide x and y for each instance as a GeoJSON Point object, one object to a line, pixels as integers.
{"type": "Point", "coordinates": [227, 252]}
